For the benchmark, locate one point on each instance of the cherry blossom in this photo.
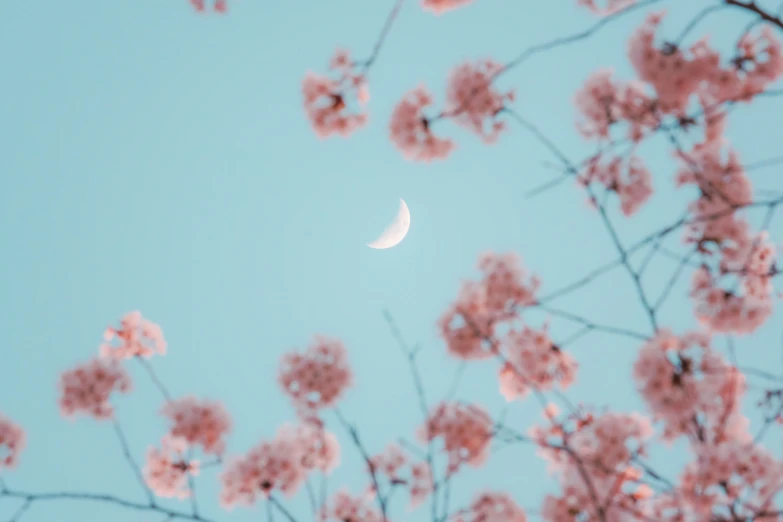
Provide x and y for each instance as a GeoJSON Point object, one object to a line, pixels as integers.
{"type": "Point", "coordinates": [466, 431]}
{"type": "Point", "coordinates": [87, 388]}
{"type": "Point", "coordinates": [12, 442]}
{"type": "Point", "coordinates": [630, 180]}
{"type": "Point", "coordinates": [326, 100]}
{"type": "Point", "coordinates": [473, 102]}
{"type": "Point", "coordinates": [492, 507]}
{"type": "Point", "coordinates": [344, 506]}
{"type": "Point", "coordinates": [416, 477]}
{"type": "Point", "coordinates": [410, 131]}
{"type": "Point", "coordinates": [269, 466]}
{"type": "Point", "coordinates": [166, 470]}
{"type": "Point", "coordinates": [199, 422]}
{"type": "Point", "coordinates": [690, 388]}
{"type": "Point", "coordinates": [533, 361]}
{"type": "Point", "coordinates": [469, 324]}
{"type": "Point", "coordinates": [136, 337]}
{"type": "Point", "coordinates": [318, 377]}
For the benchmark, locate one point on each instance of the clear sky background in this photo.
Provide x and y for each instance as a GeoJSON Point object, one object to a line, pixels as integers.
{"type": "Point", "coordinates": [155, 159]}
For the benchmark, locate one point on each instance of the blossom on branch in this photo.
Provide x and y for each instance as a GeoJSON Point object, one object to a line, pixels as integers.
{"type": "Point", "coordinates": [491, 507]}
{"type": "Point", "coordinates": [410, 130]}
{"type": "Point", "coordinates": [317, 378]}
{"type": "Point", "coordinates": [466, 431]}
{"type": "Point", "coordinates": [199, 422]}
{"type": "Point", "coordinates": [533, 361]}
{"type": "Point", "coordinates": [690, 388]}
{"type": "Point", "coordinates": [166, 470]}
{"type": "Point", "coordinates": [473, 102]}
{"type": "Point", "coordinates": [86, 389]}
{"type": "Point", "coordinates": [12, 442]}
{"type": "Point", "coordinates": [326, 100]}
{"type": "Point", "coordinates": [136, 337]}
{"type": "Point", "coordinates": [630, 180]}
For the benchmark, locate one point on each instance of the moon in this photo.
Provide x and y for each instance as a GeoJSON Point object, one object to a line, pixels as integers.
{"type": "Point", "coordinates": [396, 231]}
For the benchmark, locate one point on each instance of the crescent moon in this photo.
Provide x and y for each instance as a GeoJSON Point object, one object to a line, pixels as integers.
{"type": "Point", "coordinates": [396, 231]}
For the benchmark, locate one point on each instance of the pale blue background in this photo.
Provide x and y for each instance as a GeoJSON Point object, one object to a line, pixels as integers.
{"type": "Point", "coordinates": [155, 159]}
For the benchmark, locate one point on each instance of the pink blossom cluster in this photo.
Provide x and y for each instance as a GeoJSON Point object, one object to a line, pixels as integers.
{"type": "Point", "coordinates": [219, 6]}
{"type": "Point", "coordinates": [734, 477]}
{"type": "Point", "coordinates": [397, 467]}
{"type": "Point", "coordinates": [690, 388]}
{"type": "Point", "coordinates": [410, 132]}
{"type": "Point", "coordinates": [677, 75]}
{"type": "Point", "coordinates": [326, 100]}
{"type": "Point", "coordinates": [734, 294]}
{"type": "Point", "coordinates": [466, 430]}
{"type": "Point", "coordinates": [473, 101]}
{"type": "Point", "coordinates": [317, 378]}
{"type": "Point", "coordinates": [344, 506]}
{"type": "Point", "coordinates": [281, 464]}
{"type": "Point", "coordinates": [630, 180]}
{"type": "Point", "coordinates": [492, 507]}
{"type": "Point", "coordinates": [199, 423]}
{"type": "Point", "coordinates": [136, 337]}
{"type": "Point", "coordinates": [598, 463]}
{"type": "Point", "coordinates": [167, 470]}
{"type": "Point", "coordinates": [469, 324]}
{"type": "Point", "coordinates": [12, 442]}
{"type": "Point", "coordinates": [603, 102]}
{"type": "Point", "coordinates": [533, 361]}
{"type": "Point", "coordinates": [87, 388]}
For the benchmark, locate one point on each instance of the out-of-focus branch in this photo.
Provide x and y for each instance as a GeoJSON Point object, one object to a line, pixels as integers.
{"type": "Point", "coordinates": [96, 497]}
{"type": "Point", "coordinates": [131, 461]}
{"type": "Point", "coordinates": [354, 434]}
{"type": "Point", "coordinates": [752, 7]}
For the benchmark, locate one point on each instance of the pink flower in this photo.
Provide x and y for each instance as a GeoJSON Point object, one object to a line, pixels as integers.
{"type": "Point", "coordinates": [632, 182]}
{"type": "Point", "coordinates": [12, 442]}
{"type": "Point", "coordinates": [604, 102]}
{"type": "Point", "coordinates": [439, 7]}
{"type": "Point", "coordinates": [319, 448]}
{"type": "Point", "coordinates": [166, 471]}
{"type": "Point", "coordinates": [466, 431]}
{"type": "Point", "coordinates": [326, 100]}
{"type": "Point", "coordinates": [198, 422]}
{"type": "Point", "coordinates": [344, 506]}
{"type": "Point", "coordinates": [410, 130]}
{"type": "Point", "coordinates": [489, 507]}
{"type": "Point", "coordinates": [87, 388]}
{"type": "Point", "coordinates": [415, 477]}
{"type": "Point", "coordinates": [281, 464]}
{"type": "Point", "coordinates": [738, 476]}
{"type": "Point", "coordinates": [469, 324]}
{"type": "Point", "coordinates": [317, 378]}
{"type": "Point", "coordinates": [533, 361]}
{"type": "Point", "coordinates": [690, 388]}
{"type": "Point", "coordinates": [473, 102]}
{"type": "Point", "coordinates": [136, 337]}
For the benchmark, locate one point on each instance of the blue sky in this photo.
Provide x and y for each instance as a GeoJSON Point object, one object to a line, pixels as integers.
{"type": "Point", "coordinates": [160, 160]}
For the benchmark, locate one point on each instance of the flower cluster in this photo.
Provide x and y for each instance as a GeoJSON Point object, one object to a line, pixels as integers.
{"type": "Point", "coordinates": [12, 442]}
